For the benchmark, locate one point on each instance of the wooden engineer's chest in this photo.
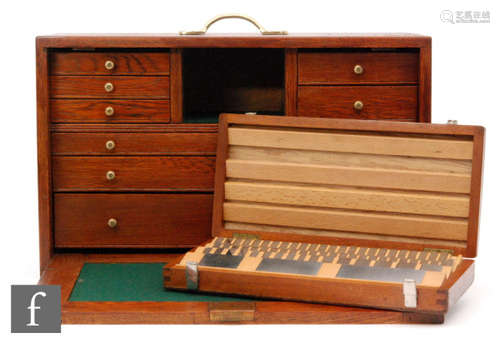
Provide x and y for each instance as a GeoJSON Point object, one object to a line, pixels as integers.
{"type": "Point", "coordinates": [127, 127]}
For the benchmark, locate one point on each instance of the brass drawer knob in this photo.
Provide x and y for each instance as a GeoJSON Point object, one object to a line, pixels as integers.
{"type": "Point", "coordinates": [358, 105]}
{"type": "Point", "coordinates": [358, 69]}
{"type": "Point", "coordinates": [112, 223]}
{"type": "Point", "coordinates": [109, 65]}
{"type": "Point", "coordinates": [110, 145]}
{"type": "Point", "coordinates": [108, 87]}
{"type": "Point", "coordinates": [109, 111]}
{"type": "Point", "coordinates": [110, 175]}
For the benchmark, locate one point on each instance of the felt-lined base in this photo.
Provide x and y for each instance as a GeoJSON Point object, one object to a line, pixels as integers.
{"type": "Point", "coordinates": [120, 282]}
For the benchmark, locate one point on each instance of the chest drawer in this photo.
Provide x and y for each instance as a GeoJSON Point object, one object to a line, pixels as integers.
{"type": "Point", "coordinates": [366, 102]}
{"type": "Point", "coordinates": [133, 173]}
{"type": "Point", "coordinates": [114, 143]}
{"type": "Point", "coordinates": [357, 67]}
{"type": "Point", "coordinates": [110, 63]}
{"type": "Point", "coordinates": [142, 87]}
{"type": "Point", "coordinates": [109, 111]}
{"type": "Point", "coordinates": [142, 220]}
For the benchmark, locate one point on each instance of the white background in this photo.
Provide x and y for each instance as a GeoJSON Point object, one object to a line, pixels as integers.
{"type": "Point", "coordinates": [465, 78]}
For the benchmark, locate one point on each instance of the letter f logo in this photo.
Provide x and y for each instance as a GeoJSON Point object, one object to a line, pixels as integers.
{"type": "Point", "coordinates": [33, 307]}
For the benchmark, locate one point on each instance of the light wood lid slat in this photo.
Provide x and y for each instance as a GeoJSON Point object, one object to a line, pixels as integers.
{"type": "Point", "coordinates": [355, 176]}
{"type": "Point", "coordinates": [346, 159]}
{"type": "Point", "coordinates": [348, 198]}
{"type": "Point", "coordinates": [372, 238]}
{"type": "Point", "coordinates": [368, 144]}
{"type": "Point", "coordinates": [336, 220]}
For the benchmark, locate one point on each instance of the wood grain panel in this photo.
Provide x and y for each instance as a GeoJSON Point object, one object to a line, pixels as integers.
{"type": "Point", "coordinates": [291, 82]}
{"type": "Point", "coordinates": [125, 111]}
{"type": "Point", "coordinates": [124, 87]}
{"type": "Point", "coordinates": [352, 221]}
{"type": "Point", "coordinates": [133, 173]}
{"type": "Point", "coordinates": [379, 102]}
{"type": "Point", "coordinates": [425, 84]}
{"type": "Point", "coordinates": [176, 88]}
{"type": "Point", "coordinates": [45, 203]}
{"type": "Point", "coordinates": [330, 67]}
{"type": "Point", "coordinates": [356, 143]}
{"type": "Point", "coordinates": [125, 63]}
{"type": "Point", "coordinates": [349, 176]}
{"type": "Point", "coordinates": [149, 220]}
{"type": "Point", "coordinates": [348, 198]}
{"type": "Point", "coordinates": [349, 159]}
{"type": "Point", "coordinates": [134, 143]}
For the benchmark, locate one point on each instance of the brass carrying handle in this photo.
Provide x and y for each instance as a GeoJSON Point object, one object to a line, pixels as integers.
{"type": "Point", "coordinates": [233, 16]}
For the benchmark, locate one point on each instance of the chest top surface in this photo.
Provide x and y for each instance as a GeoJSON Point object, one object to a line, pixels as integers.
{"type": "Point", "coordinates": [295, 40]}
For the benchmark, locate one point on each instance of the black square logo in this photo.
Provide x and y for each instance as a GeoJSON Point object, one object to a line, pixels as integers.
{"type": "Point", "coordinates": [35, 308]}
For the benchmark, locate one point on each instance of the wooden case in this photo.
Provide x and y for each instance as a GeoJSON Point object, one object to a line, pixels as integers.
{"type": "Point", "coordinates": [154, 128]}
{"type": "Point", "coordinates": [143, 110]}
{"type": "Point", "coordinates": [401, 186]}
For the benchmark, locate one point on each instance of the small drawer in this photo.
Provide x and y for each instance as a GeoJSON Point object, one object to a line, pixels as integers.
{"type": "Point", "coordinates": [143, 87]}
{"type": "Point", "coordinates": [152, 173]}
{"type": "Point", "coordinates": [110, 111]}
{"type": "Point", "coordinates": [114, 143]}
{"type": "Point", "coordinates": [110, 63]}
{"type": "Point", "coordinates": [131, 220]}
{"type": "Point", "coordinates": [357, 67]}
{"type": "Point", "coordinates": [363, 102]}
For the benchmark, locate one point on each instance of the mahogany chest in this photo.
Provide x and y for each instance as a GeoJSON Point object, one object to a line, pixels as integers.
{"type": "Point", "coordinates": [127, 124]}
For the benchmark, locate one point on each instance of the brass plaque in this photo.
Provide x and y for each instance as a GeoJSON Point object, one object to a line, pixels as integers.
{"type": "Point", "coordinates": [231, 311]}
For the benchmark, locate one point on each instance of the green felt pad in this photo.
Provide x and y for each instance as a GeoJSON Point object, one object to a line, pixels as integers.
{"type": "Point", "coordinates": [130, 282]}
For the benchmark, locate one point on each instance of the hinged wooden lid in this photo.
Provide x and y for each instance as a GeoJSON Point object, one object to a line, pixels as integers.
{"type": "Point", "coordinates": [371, 183]}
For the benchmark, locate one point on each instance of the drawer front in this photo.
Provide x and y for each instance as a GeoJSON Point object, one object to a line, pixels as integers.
{"type": "Point", "coordinates": [110, 111]}
{"type": "Point", "coordinates": [142, 220]}
{"type": "Point", "coordinates": [110, 63]}
{"type": "Point", "coordinates": [133, 173]}
{"type": "Point", "coordinates": [377, 102]}
{"type": "Point", "coordinates": [119, 87]}
{"type": "Point", "coordinates": [371, 67]}
{"type": "Point", "coordinates": [113, 143]}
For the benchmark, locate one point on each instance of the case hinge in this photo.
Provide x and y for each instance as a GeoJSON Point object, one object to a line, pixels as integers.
{"type": "Point", "coordinates": [410, 293]}
{"type": "Point", "coordinates": [192, 276]}
{"type": "Point", "coordinates": [245, 235]}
